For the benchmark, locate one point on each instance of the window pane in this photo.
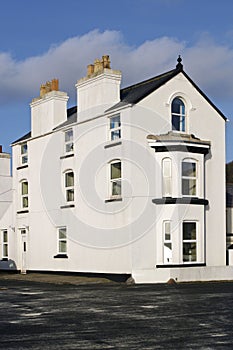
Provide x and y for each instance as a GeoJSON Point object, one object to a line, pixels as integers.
{"type": "Point", "coordinates": [115, 122]}
{"type": "Point", "coordinates": [178, 106]}
{"type": "Point", "coordinates": [25, 202]}
{"type": "Point", "coordinates": [189, 252]}
{"type": "Point", "coordinates": [167, 188]}
{"type": "Point", "coordinates": [167, 227]}
{"type": "Point", "coordinates": [175, 122]}
{"type": "Point", "coordinates": [168, 245]}
{"type": "Point", "coordinates": [24, 148]}
{"type": "Point", "coordinates": [182, 124]}
{"type": "Point", "coordinates": [116, 170]}
{"type": "Point", "coordinates": [116, 134]}
{"type": "Point", "coordinates": [69, 135]}
{"type": "Point", "coordinates": [62, 233]}
{"type": "Point", "coordinates": [24, 187]}
{"type": "Point", "coordinates": [62, 246]}
{"type": "Point", "coordinates": [70, 195]}
{"type": "Point", "coordinates": [69, 147]}
{"type": "Point", "coordinates": [5, 239]}
{"type": "Point", "coordinates": [188, 187]}
{"type": "Point", "coordinates": [189, 169]}
{"type": "Point", "coordinates": [116, 188]}
{"type": "Point", "coordinates": [69, 179]}
{"type": "Point", "coordinates": [5, 250]}
{"type": "Point", "coordinates": [189, 231]}
{"type": "Point", "coordinates": [24, 159]}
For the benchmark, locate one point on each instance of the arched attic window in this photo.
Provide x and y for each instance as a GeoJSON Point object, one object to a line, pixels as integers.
{"type": "Point", "coordinates": [178, 114]}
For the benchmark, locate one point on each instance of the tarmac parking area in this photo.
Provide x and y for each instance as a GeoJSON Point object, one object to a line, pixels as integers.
{"type": "Point", "coordinates": [40, 315]}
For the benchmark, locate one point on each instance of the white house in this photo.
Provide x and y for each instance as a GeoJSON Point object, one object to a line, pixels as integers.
{"type": "Point", "coordinates": [125, 183]}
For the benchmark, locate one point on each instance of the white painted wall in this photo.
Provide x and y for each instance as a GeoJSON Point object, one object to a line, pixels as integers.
{"type": "Point", "coordinates": [118, 236]}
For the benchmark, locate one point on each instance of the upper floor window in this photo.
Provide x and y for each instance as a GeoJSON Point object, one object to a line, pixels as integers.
{"type": "Point", "coordinates": [167, 177]}
{"type": "Point", "coordinates": [178, 114]}
{"type": "Point", "coordinates": [24, 194]}
{"type": "Point", "coordinates": [4, 244]}
{"type": "Point", "coordinates": [115, 178]}
{"type": "Point", "coordinates": [69, 186]}
{"type": "Point", "coordinates": [189, 178]}
{"type": "Point", "coordinates": [69, 143]}
{"type": "Point", "coordinates": [24, 153]}
{"type": "Point", "coordinates": [115, 127]}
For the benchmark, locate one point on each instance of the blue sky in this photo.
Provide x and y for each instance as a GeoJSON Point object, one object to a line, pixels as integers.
{"type": "Point", "coordinates": [43, 39]}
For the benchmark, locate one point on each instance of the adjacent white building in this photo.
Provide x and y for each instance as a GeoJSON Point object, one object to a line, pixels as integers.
{"type": "Point", "coordinates": [125, 183]}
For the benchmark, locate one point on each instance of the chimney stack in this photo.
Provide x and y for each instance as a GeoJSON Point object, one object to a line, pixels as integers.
{"type": "Point", "coordinates": [99, 89]}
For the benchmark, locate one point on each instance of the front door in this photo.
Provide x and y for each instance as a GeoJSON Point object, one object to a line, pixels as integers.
{"type": "Point", "coordinates": [23, 251]}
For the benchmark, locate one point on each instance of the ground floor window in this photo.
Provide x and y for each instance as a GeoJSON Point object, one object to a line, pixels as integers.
{"type": "Point", "coordinates": [4, 244]}
{"type": "Point", "coordinates": [189, 241]}
{"type": "Point", "coordinates": [62, 240]}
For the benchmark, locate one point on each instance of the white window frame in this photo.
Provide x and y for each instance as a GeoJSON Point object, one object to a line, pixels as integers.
{"type": "Point", "coordinates": [5, 244]}
{"type": "Point", "coordinates": [181, 115]}
{"type": "Point", "coordinates": [191, 242]}
{"type": "Point", "coordinates": [24, 153]}
{"type": "Point", "coordinates": [69, 141]}
{"type": "Point", "coordinates": [69, 188]}
{"type": "Point", "coordinates": [114, 130]}
{"type": "Point", "coordinates": [189, 178]}
{"type": "Point", "coordinates": [167, 242]}
{"type": "Point", "coordinates": [115, 180]}
{"type": "Point", "coordinates": [62, 239]}
{"type": "Point", "coordinates": [24, 196]}
{"type": "Point", "coordinates": [167, 178]}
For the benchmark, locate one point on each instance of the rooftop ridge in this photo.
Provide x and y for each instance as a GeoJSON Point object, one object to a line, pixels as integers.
{"type": "Point", "coordinates": [148, 80]}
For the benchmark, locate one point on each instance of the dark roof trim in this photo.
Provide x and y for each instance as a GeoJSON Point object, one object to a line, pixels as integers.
{"type": "Point", "coordinates": [205, 96]}
{"type": "Point", "coordinates": [23, 138]}
{"type": "Point", "coordinates": [137, 92]}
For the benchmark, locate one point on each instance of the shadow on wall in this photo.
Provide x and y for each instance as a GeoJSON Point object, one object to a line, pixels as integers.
{"type": "Point", "coordinates": [7, 265]}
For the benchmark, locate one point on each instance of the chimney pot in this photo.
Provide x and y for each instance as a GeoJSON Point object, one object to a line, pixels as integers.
{"type": "Point", "coordinates": [106, 61]}
{"type": "Point", "coordinates": [54, 85]}
{"type": "Point", "coordinates": [97, 66]}
{"type": "Point", "coordinates": [90, 69]}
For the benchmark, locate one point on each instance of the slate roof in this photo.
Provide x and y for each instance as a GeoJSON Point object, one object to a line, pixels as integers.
{"type": "Point", "coordinates": [71, 118]}
{"type": "Point", "coordinates": [135, 93]}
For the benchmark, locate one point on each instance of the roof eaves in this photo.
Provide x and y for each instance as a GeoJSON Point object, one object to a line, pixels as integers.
{"type": "Point", "coordinates": [205, 96]}
{"type": "Point", "coordinates": [23, 138]}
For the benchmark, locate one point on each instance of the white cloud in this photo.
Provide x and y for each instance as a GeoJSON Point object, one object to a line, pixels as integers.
{"type": "Point", "coordinates": [209, 64]}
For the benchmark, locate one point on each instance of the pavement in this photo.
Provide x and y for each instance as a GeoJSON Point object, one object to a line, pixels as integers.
{"type": "Point", "coordinates": [81, 312]}
{"type": "Point", "coordinates": [66, 278]}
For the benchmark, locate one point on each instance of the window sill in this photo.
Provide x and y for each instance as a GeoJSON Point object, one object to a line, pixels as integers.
{"type": "Point", "coordinates": [67, 156]}
{"type": "Point", "coordinates": [61, 256]}
{"type": "Point", "coordinates": [67, 206]}
{"type": "Point", "coordinates": [171, 266]}
{"type": "Point", "coordinates": [23, 211]}
{"type": "Point", "coordinates": [182, 200]}
{"type": "Point", "coordinates": [116, 199]}
{"type": "Point", "coordinates": [113, 143]}
{"type": "Point", "coordinates": [22, 167]}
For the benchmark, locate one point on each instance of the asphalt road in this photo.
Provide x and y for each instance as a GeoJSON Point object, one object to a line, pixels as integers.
{"type": "Point", "coordinates": [115, 316]}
